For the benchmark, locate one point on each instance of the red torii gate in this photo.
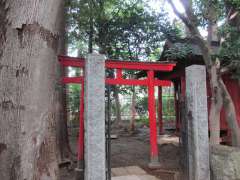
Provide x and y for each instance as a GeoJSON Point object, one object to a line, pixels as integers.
{"type": "Point", "coordinates": [150, 81]}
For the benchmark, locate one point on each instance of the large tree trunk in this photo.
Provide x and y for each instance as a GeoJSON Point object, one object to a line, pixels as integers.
{"type": "Point", "coordinates": [220, 96]}
{"type": "Point", "coordinates": [213, 74]}
{"type": "Point", "coordinates": [28, 89]}
{"type": "Point", "coordinates": [216, 106]}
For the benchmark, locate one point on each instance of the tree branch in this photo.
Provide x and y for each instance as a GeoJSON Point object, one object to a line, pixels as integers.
{"type": "Point", "coordinates": [190, 22]}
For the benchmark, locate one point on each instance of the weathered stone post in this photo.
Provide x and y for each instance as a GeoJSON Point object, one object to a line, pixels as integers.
{"type": "Point", "coordinates": [197, 119]}
{"type": "Point", "coordinates": [94, 111]}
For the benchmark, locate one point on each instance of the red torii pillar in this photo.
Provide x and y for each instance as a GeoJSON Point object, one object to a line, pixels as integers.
{"type": "Point", "coordinates": [154, 160]}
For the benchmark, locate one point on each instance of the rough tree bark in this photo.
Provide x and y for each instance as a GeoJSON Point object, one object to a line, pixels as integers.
{"type": "Point", "coordinates": [216, 98]}
{"type": "Point", "coordinates": [216, 106]}
{"type": "Point", "coordinates": [28, 85]}
{"type": "Point", "coordinates": [219, 93]}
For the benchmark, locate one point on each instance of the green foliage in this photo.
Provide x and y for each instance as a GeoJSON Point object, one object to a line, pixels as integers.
{"type": "Point", "coordinates": [208, 9]}
{"type": "Point", "coordinates": [230, 49]}
{"type": "Point", "coordinates": [121, 29]}
{"type": "Point", "coordinates": [168, 106]}
{"type": "Point", "coordinates": [133, 33]}
{"type": "Point", "coordinates": [156, 54]}
{"type": "Point", "coordinates": [229, 52]}
{"type": "Point", "coordinates": [236, 3]}
{"type": "Point", "coordinates": [142, 106]}
{"type": "Point", "coordinates": [144, 120]}
{"type": "Point", "coordinates": [73, 97]}
{"type": "Point", "coordinates": [168, 109]}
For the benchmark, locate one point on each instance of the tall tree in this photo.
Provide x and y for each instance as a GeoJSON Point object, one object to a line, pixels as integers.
{"type": "Point", "coordinates": [28, 84]}
{"type": "Point", "coordinates": [220, 94]}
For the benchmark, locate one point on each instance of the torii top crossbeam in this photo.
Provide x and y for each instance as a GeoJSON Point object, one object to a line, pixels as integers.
{"type": "Point", "coordinates": [119, 65]}
{"type": "Point", "coordinates": [116, 64]}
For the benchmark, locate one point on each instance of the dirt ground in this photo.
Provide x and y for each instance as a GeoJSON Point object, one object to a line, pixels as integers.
{"type": "Point", "coordinates": [133, 150]}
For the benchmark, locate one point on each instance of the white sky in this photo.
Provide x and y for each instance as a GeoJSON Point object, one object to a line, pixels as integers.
{"type": "Point", "coordinates": [157, 4]}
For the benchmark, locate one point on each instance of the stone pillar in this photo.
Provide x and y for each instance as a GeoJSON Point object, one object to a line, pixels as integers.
{"type": "Point", "coordinates": [94, 113]}
{"type": "Point", "coordinates": [197, 119]}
